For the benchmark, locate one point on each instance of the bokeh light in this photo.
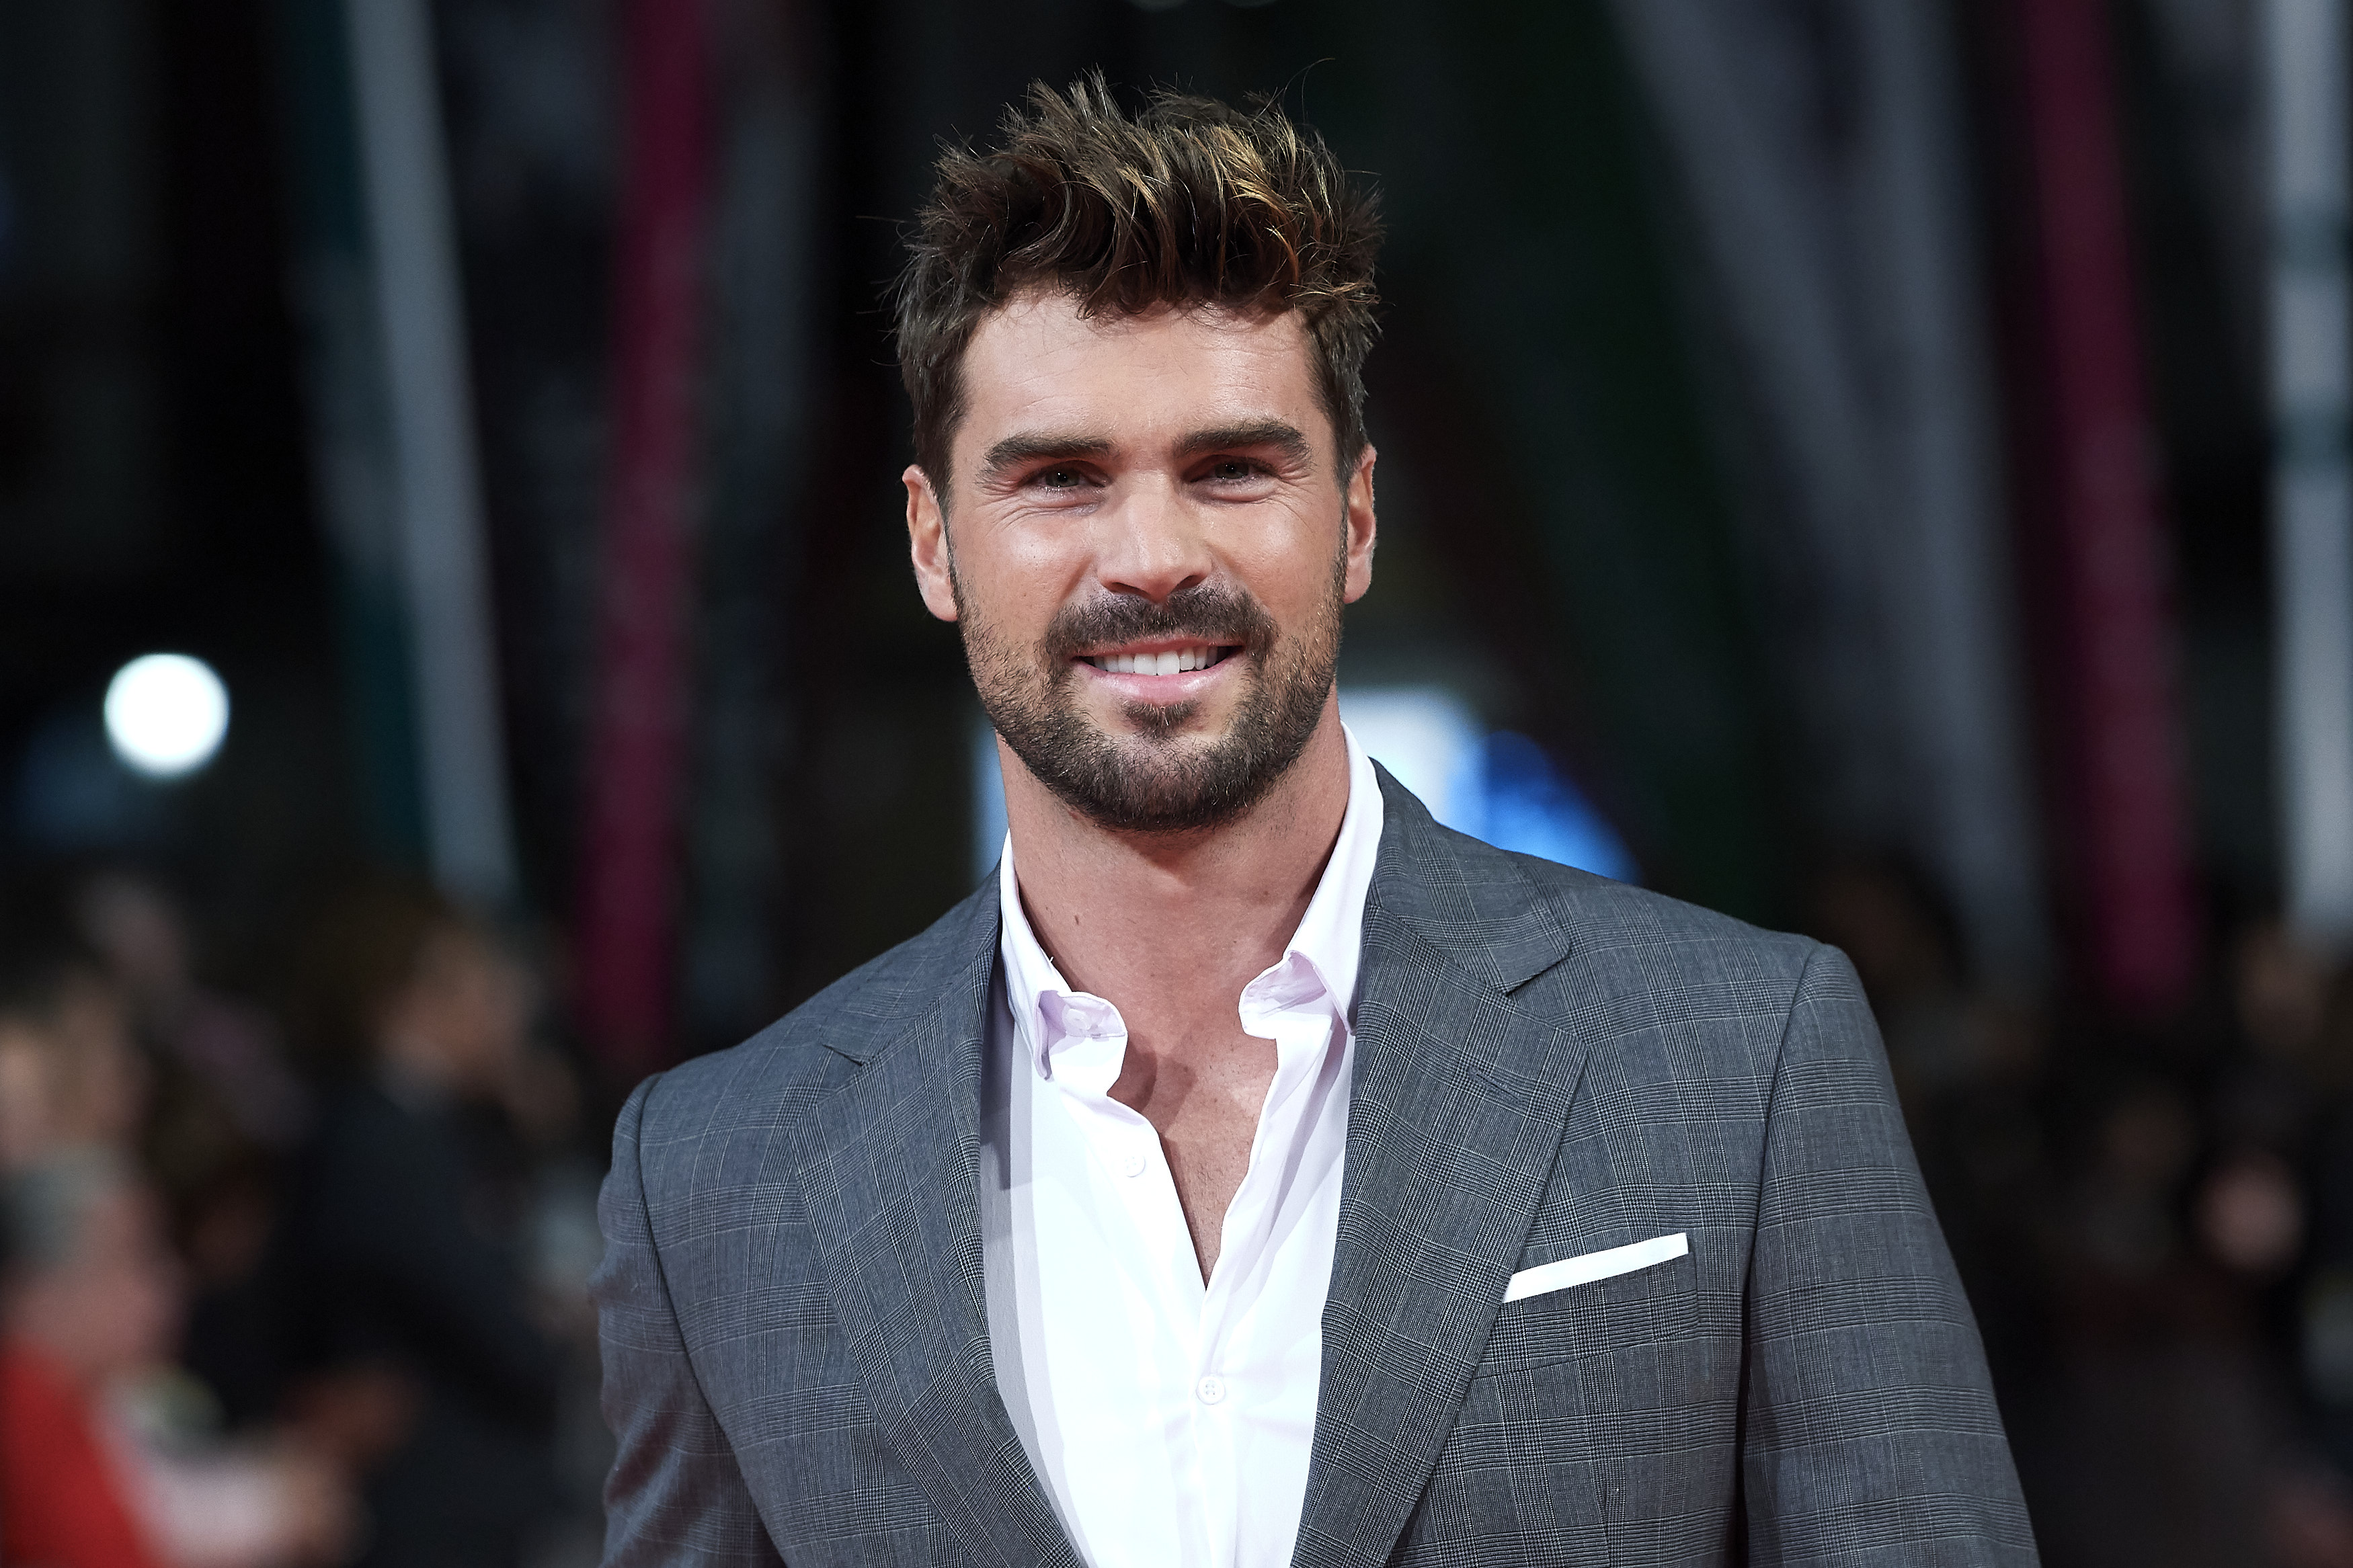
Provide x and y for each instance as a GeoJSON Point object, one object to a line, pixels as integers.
{"type": "Point", "coordinates": [167, 714]}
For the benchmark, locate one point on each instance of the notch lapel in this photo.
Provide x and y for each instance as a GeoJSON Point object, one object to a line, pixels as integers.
{"type": "Point", "coordinates": [889, 1170]}
{"type": "Point", "coordinates": [1455, 1121]}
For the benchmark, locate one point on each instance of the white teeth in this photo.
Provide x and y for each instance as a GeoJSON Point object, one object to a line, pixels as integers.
{"type": "Point", "coordinates": [1176, 662]}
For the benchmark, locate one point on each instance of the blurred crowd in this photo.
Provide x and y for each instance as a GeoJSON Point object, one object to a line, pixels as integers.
{"type": "Point", "coordinates": [2155, 1227]}
{"type": "Point", "coordinates": [302, 1286]}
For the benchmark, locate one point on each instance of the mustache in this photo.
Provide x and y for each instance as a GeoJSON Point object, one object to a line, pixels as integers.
{"type": "Point", "coordinates": [1212, 612]}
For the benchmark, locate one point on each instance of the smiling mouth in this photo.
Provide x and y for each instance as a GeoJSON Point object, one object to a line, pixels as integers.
{"type": "Point", "coordinates": [1168, 662]}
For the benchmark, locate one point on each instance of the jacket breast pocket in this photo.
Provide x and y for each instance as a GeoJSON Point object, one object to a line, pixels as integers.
{"type": "Point", "coordinates": [1610, 1403]}
{"type": "Point", "coordinates": [1652, 1306]}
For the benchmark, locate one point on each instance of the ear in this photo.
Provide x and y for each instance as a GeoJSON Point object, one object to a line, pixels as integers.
{"type": "Point", "coordinates": [927, 543]}
{"type": "Point", "coordinates": [1362, 525]}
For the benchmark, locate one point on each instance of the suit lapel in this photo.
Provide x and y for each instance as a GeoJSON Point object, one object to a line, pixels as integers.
{"type": "Point", "coordinates": [890, 1168]}
{"type": "Point", "coordinates": [1455, 1119]}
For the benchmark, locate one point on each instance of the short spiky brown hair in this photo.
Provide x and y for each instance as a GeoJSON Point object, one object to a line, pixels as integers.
{"type": "Point", "coordinates": [1188, 202]}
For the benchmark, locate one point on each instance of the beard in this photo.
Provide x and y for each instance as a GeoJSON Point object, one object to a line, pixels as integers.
{"type": "Point", "coordinates": [1157, 777]}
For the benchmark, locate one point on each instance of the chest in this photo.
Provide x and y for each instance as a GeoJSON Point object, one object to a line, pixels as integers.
{"type": "Point", "coordinates": [1123, 1359]}
{"type": "Point", "coordinates": [1204, 1090]}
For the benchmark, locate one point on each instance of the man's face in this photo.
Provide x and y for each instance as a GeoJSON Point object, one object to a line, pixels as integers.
{"type": "Point", "coordinates": [112, 1305]}
{"type": "Point", "coordinates": [465, 1013]}
{"type": "Point", "coordinates": [1147, 548]}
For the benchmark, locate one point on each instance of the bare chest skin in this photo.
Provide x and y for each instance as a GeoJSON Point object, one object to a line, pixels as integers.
{"type": "Point", "coordinates": [1201, 1083]}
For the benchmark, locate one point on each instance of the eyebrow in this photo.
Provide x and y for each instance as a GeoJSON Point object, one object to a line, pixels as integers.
{"type": "Point", "coordinates": [1031, 446]}
{"type": "Point", "coordinates": [1285, 438]}
{"type": "Point", "coordinates": [1035, 445]}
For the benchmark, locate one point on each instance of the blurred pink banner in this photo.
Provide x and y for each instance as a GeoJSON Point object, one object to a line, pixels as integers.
{"type": "Point", "coordinates": [628, 893]}
{"type": "Point", "coordinates": [2120, 732]}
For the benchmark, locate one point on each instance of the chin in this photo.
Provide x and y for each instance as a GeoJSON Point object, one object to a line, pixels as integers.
{"type": "Point", "coordinates": [1161, 722]}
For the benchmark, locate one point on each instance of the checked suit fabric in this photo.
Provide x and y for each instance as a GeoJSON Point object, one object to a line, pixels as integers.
{"type": "Point", "coordinates": [1550, 1065]}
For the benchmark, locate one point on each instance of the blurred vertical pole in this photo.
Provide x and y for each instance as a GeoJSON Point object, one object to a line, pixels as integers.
{"type": "Point", "coordinates": [2126, 766]}
{"type": "Point", "coordinates": [1762, 212]}
{"type": "Point", "coordinates": [351, 447]}
{"type": "Point", "coordinates": [1849, 289]}
{"type": "Point", "coordinates": [765, 164]}
{"type": "Point", "coordinates": [637, 738]}
{"type": "Point", "coordinates": [1947, 580]}
{"type": "Point", "coordinates": [2312, 487]}
{"type": "Point", "coordinates": [429, 406]}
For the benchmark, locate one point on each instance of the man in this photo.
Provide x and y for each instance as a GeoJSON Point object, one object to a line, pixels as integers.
{"type": "Point", "coordinates": [1253, 1171]}
{"type": "Point", "coordinates": [407, 1231]}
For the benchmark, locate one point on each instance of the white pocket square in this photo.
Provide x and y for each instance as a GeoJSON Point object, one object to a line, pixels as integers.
{"type": "Point", "coordinates": [1589, 1266]}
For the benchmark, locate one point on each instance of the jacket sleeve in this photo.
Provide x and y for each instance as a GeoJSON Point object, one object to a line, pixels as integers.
{"type": "Point", "coordinates": [676, 1494]}
{"type": "Point", "coordinates": [1870, 1433]}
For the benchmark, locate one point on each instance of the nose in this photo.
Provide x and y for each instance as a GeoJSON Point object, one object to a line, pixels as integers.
{"type": "Point", "coordinates": [1151, 543]}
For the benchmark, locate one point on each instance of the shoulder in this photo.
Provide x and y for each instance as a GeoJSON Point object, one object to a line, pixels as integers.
{"type": "Point", "coordinates": [1629, 930]}
{"type": "Point", "coordinates": [1640, 959]}
{"type": "Point", "coordinates": [812, 1049]}
{"type": "Point", "coordinates": [1517, 917]}
{"type": "Point", "coordinates": [1602, 957]}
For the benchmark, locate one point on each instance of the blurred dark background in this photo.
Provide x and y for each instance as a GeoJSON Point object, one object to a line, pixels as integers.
{"type": "Point", "coordinates": [1827, 444]}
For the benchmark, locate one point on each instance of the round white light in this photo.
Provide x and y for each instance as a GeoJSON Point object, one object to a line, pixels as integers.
{"type": "Point", "coordinates": [166, 714]}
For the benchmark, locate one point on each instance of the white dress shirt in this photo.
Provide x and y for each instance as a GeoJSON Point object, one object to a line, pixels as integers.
{"type": "Point", "coordinates": [1169, 1421]}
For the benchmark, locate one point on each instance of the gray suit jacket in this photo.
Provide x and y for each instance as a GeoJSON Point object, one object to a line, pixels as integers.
{"type": "Point", "coordinates": [796, 1358]}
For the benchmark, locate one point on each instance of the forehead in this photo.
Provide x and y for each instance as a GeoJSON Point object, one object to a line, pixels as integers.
{"type": "Point", "coordinates": [1036, 363]}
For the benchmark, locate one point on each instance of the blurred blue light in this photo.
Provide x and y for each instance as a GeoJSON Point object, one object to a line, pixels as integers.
{"type": "Point", "coordinates": [1526, 806]}
{"type": "Point", "coordinates": [1498, 787]}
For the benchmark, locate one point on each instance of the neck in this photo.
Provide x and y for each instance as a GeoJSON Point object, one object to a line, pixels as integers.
{"type": "Point", "coordinates": [1155, 923]}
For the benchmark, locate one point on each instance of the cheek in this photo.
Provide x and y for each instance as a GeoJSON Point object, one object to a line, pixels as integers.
{"type": "Point", "coordinates": [1017, 587]}
{"type": "Point", "coordinates": [1292, 575]}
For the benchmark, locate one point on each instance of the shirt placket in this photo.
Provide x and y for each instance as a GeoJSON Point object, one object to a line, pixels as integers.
{"type": "Point", "coordinates": [1091, 1044]}
{"type": "Point", "coordinates": [1126, 1147]}
{"type": "Point", "coordinates": [1287, 1008]}
{"type": "Point", "coordinates": [1085, 1065]}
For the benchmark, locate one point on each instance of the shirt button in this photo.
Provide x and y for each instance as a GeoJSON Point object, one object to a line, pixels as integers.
{"type": "Point", "coordinates": [1210, 1390]}
{"type": "Point", "coordinates": [1136, 1162]}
